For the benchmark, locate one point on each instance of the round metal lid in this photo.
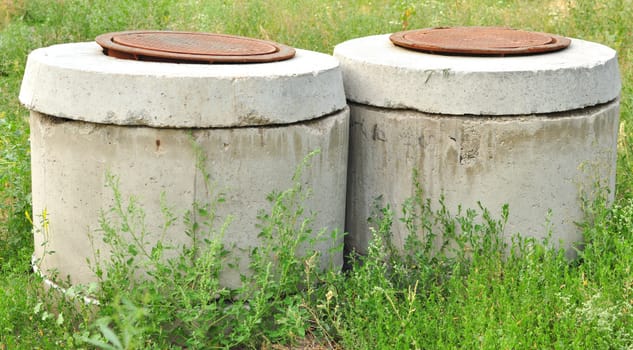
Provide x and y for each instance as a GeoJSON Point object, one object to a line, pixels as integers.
{"type": "Point", "coordinates": [486, 41]}
{"type": "Point", "coordinates": [191, 47]}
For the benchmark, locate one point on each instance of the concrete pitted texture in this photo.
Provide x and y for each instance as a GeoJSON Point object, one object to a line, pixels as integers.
{"type": "Point", "coordinates": [536, 132]}
{"type": "Point", "coordinates": [378, 73]}
{"type": "Point", "coordinates": [114, 91]}
{"type": "Point", "coordinates": [71, 158]}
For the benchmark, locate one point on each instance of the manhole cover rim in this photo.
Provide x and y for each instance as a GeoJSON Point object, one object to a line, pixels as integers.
{"type": "Point", "coordinates": [114, 49]}
{"type": "Point", "coordinates": [556, 43]}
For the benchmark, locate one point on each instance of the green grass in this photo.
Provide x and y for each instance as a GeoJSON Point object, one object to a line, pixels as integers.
{"type": "Point", "coordinates": [532, 298]}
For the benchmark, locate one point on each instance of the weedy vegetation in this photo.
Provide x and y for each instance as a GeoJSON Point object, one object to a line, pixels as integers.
{"type": "Point", "coordinates": [481, 289]}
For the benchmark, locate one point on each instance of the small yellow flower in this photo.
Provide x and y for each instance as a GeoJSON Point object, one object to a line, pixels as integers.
{"type": "Point", "coordinates": [329, 295]}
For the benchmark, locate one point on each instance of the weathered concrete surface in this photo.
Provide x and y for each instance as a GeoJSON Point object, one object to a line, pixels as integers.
{"type": "Point", "coordinates": [149, 123]}
{"type": "Point", "coordinates": [70, 160]}
{"type": "Point", "coordinates": [77, 81]}
{"type": "Point", "coordinates": [534, 163]}
{"type": "Point", "coordinates": [531, 131]}
{"type": "Point", "coordinates": [378, 73]}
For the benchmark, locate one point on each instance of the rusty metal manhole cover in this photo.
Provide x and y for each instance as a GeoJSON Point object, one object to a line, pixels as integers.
{"type": "Point", "coordinates": [487, 41]}
{"type": "Point", "coordinates": [191, 47]}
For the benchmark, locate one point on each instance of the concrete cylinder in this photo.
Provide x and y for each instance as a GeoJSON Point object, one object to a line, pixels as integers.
{"type": "Point", "coordinates": [536, 132]}
{"type": "Point", "coordinates": [151, 124]}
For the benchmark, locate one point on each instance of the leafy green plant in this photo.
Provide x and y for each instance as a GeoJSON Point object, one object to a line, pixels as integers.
{"type": "Point", "coordinates": [458, 282]}
{"type": "Point", "coordinates": [151, 299]}
{"type": "Point", "coordinates": [127, 318]}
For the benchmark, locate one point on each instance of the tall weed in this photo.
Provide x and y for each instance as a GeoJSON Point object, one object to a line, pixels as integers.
{"type": "Point", "coordinates": [152, 300]}
{"type": "Point", "coordinates": [458, 284]}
